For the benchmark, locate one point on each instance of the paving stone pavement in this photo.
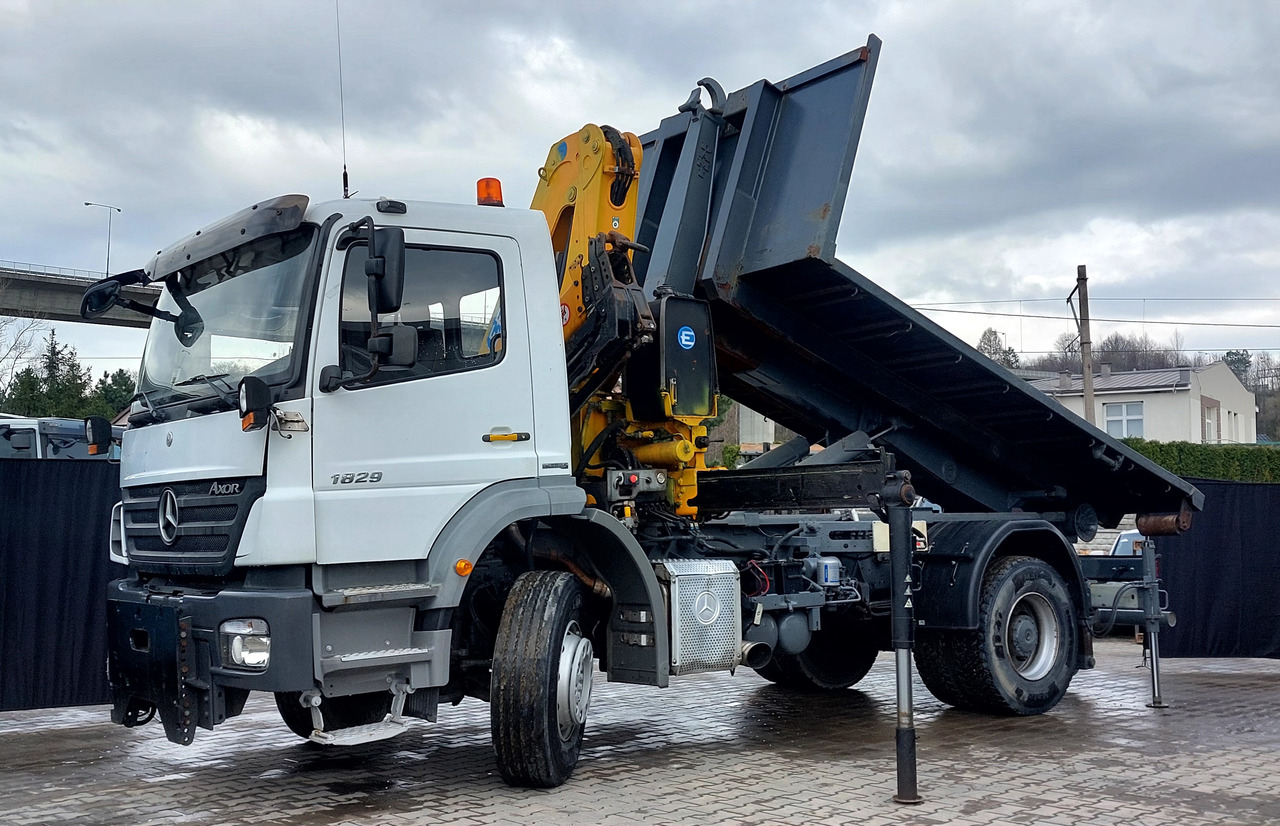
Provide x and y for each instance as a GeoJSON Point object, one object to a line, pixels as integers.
{"type": "Point", "coordinates": [710, 749]}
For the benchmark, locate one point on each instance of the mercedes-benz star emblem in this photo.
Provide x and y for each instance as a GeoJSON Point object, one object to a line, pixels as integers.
{"type": "Point", "coordinates": [168, 516]}
{"type": "Point", "coordinates": [706, 608]}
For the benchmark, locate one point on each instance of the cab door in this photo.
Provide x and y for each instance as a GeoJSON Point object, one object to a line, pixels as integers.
{"type": "Point", "coordinates": [396, 457]}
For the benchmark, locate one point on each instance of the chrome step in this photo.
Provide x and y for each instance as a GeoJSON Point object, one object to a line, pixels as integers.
{"type": "Point", "coordinates": [405, 591]}
{"type": "Point", "coordinates": [367, 659]}
{"type": "Point", "coordinates": [356, 735]}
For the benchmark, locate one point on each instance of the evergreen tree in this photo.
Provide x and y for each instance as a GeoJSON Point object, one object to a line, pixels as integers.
{"type": "Point", "coordinates": [116, 389]}
{"type": "Point", "coordinates": [990, 346]}
{"type": "Point", "coordinates": [1241, 363]}
{"type": "Point", "coordinates": [59, 385]}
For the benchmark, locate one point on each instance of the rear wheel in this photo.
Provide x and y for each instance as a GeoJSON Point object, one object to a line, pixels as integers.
{"type": "Point", "coordinates": [837, 657]}
{"type": "Point", "coordinates": [540, 688]}
{"type": "Point", "coordinates": [1022, 656]}
{"type": "Point", "coordinates": [338, 712]}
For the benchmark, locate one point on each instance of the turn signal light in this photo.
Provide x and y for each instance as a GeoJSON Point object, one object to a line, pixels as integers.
{"type": "Point", "coordinates": [463, 567]}
{"type": "Point", "coordinates": [489, 192]}
{"type": "Point", "coordinates": [253, 420]}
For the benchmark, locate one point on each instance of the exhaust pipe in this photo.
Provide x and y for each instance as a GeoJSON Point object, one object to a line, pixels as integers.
{"type": "Point", "coordinates": [755, 654]}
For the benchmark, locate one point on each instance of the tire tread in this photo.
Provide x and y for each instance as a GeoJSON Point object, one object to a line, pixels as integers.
{"type": "Point", "coordinates": [957, 666]}
{"type": "Point", "coordinates": [526, 740]}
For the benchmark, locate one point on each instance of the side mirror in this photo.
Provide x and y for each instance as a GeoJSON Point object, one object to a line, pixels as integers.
{"type": "Point", "coordinates": [99, 299]}
{"type": "Point", "coordinates": [105, 294]}
{"type": "Point", "coordinates": [385, 269]}
{"type": "Point", "coordinates": [254, 403]}
{"type": "Point", "coordinates": [97, 431]}
{"type": "Point", "coordinates": [395, 346]}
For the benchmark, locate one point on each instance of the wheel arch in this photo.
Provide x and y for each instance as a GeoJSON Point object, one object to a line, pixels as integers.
{"type": "Point", "coordinates": [639, 611]}
{"type": "Point", "coordinates": [485, 514]}
{"type": "Point", "coordinates": [961, 553]}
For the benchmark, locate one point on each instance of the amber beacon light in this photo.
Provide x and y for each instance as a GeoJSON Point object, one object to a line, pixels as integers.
{"type": "Point", "coordinates": [489, 192]}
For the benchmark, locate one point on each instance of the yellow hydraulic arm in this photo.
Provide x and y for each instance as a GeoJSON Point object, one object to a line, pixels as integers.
{"type": "Point", "coordinates": [588, 191]}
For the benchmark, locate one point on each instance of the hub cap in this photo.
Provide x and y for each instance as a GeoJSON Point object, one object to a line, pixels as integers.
{"type": "Point", "coordinates": [573, 683]}
{"type": "Point", "coordinates": [1031, 636]}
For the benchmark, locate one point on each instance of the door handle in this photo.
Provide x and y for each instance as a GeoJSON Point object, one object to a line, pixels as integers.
{"type": "Point", "coordinates": [505, 437]}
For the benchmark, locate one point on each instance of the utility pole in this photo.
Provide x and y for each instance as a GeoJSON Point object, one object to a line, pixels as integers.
{"type": "Point", "coordinates": [1086, 345]}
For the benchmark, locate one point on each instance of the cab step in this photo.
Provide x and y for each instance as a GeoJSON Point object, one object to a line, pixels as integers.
{"type": "Point", "coordinates": [357, 735]}
{"type": "Point", "coordinates": [365, 594]}
{"type": "Point", "coordinates": [371, 659]}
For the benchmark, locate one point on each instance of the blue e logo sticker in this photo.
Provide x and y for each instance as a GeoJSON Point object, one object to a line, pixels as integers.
{"type": "Point", "coordinates": [686, 337]}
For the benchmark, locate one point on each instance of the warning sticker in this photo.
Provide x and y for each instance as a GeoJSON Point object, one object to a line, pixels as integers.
{"type": "Point", "coordinates": [564, 315]}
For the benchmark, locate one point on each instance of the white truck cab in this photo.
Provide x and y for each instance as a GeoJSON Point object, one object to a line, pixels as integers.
{"type": "Point", "coordinates": [327, 525]}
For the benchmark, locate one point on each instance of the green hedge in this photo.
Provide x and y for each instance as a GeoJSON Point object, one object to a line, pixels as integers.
{"type": "Point", "coordinates": [1235, 463]}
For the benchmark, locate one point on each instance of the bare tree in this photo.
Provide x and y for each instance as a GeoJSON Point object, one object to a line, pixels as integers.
{"type": "Point", "coordinates": [1265, 376]}
{"type": "Point", "coordinates": [991, 346]}
{"type": "Point", "coordinates": [1123, 352]}
{"type": "Point", "coordinates": [18, 338]}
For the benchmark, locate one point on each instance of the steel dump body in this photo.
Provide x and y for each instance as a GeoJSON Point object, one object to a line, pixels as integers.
{"type": "Point", "coordinates": [815, 345]}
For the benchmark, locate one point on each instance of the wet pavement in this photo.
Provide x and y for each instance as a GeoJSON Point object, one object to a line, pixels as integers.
{"type": "Point", "coordinates": [710, 749]}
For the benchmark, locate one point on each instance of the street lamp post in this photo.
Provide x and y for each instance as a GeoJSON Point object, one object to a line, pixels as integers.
{"type": "Point", "coordinates": [109, 210]}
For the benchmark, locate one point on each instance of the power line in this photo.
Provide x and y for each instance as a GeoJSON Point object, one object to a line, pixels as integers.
{"type": "Point", "coordinates": [1092, 300]}
{"type": "Point", "coordinates": [1252, 351]}
{"type": "Point", "coordinates": [1112, 320]}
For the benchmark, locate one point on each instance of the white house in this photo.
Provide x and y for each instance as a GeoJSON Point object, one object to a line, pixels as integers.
{"type": "Point", "coordinates": [1207, 404]}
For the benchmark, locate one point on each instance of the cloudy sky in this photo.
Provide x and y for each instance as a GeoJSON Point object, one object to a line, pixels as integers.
{"type": "Point", "coordinates": [1006, 142]}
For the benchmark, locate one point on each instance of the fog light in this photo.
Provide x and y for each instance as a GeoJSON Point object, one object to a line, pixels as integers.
{"type": "Point", "coordinates": [246, 643]}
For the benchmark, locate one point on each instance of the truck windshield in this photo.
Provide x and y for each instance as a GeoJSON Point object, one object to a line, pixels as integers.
{"type": "Point", "coordinates": [248, 299]}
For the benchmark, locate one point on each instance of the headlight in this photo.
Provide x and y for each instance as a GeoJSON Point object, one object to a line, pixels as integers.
{"type": "Point", "coordinates": [246, 643]}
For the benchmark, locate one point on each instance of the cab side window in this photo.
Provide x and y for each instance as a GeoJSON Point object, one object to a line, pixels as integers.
{"type": "Point", "coordinates": [452, 299]}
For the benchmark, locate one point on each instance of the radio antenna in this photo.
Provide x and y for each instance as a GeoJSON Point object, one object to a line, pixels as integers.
{"type": "Point", "coordinates": [342, 104]}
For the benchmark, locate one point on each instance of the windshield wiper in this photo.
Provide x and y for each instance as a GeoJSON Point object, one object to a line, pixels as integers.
{"type": "Point", "coordinates": [225, 395]}
{"type": "Point", "coordinates": [141, 395]}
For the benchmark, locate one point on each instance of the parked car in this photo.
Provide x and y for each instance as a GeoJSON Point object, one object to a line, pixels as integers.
{"type": "Point", "coordinates": [1128, 543]}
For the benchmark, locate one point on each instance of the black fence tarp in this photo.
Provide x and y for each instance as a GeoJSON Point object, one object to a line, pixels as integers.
{"type": "Point", "coordinates": [1223, 576]}
{"type": "Point", "coordinates": [54, 527]}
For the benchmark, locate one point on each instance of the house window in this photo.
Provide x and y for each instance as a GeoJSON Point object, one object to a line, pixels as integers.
{"type": "Point", "coordinates": [1123, 419]}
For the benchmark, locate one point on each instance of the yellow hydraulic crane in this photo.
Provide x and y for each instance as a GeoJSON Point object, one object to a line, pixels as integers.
{"type": "Point", "coordinates": [588, 191]}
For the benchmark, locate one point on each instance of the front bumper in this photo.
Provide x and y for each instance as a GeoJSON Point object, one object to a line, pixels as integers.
{"type": "Point", "coordinates": [163, 652]}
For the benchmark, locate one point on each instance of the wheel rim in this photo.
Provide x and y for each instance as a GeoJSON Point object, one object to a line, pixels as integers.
{"type": "Point", "coordinates": [1031, 636]}
{"type": "Point", "coordinates": [573, 686]}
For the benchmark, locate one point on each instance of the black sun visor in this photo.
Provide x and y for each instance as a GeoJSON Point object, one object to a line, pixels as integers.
{"type": "Point", "coordinates": [269, 217]}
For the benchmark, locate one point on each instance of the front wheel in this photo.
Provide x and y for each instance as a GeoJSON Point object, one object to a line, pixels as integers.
{"type": "Point", "coordinates": [540, 687]}
{"type": "Point", "coordinates": [1022, 656]}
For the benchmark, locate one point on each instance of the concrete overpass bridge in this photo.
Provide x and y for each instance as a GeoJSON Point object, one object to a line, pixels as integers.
{"type": "Point", "coordinates": [54, 293]}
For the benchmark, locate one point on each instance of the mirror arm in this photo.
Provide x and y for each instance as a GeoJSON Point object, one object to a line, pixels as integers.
{"type": "Point", "coordinates": [145, 309]}
{"type": "Point", "coordinates": [373, 371]}
{"type": "Point", "coordinates": [331, 380]}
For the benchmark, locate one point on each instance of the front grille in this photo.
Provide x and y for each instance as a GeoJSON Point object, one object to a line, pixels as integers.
{"type": "Point", "coordinates": [182, 545]}
{"type": "Point", "coordinates": [194, 514]}
{"type": "Point", "coordinates": [208, 531]}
